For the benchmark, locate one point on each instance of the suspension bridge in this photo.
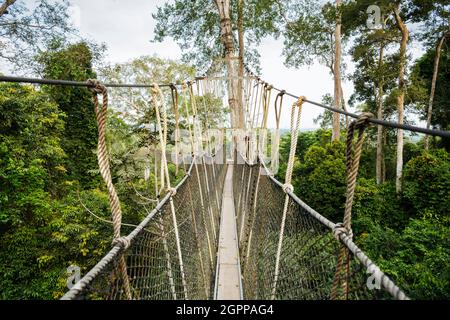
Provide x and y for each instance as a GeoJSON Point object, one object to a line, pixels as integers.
{"type": "Point", "coordinates": [229, 229]}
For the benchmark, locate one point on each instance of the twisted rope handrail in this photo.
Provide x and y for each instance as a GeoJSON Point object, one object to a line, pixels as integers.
{"type": "Point", "coordinates": [122, 243]}
{"type": "Point", "coordinates": [434, 132]}
{"type": "Point", "coordinates": [353, 153]}
{"type": "Point", "coordinates": [295, 125]}
{"type": "Point", "coordinates": [101, 113]}
{"type": "Point", "coordinates": [161, 116]}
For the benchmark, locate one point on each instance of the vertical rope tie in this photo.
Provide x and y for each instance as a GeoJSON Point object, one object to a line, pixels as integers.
{"type": "Point", "coordinates": [287, 187]}
{"type": "Point", "coordinates": [258, 98]}
{"type": "Point", "coordinates": [248, 87]}
{"type": "Point", "coordinates": [276, 143]}
{"type": "Point", "coordinates": [353, 156]}
{"type": "Point", "coordinates": [198, 150]}
{"type": "Point", "coordinates": [101, 113]}
{"type": "Point", "coordinates": [161, 116]}
{"type": "Point", "coordinates": [195, 125]}
{"type": "Point", "coordinates": [174, 94]}
{"type": "Point", "coordinates": [208, 141]}
{"type": "Point", "coordinates": [295, 125]}
{"type": "Point", "coordinates": [184, 88]}
{"type": "Point", "coordinates": [268, 93]}
{"type": "Point", "coordinates": [261, 105]}
{"type": "Point", "coordinates": [263, 133]}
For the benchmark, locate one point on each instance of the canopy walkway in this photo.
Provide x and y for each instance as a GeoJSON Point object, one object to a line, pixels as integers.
{"type": "Point", "coordinates": [230, 229]}
{"type": "Point", "coordinates": [308, 260]}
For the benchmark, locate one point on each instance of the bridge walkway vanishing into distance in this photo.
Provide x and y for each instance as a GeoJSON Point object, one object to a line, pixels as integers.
{"type": "Point", "coordinates": [230, 229]}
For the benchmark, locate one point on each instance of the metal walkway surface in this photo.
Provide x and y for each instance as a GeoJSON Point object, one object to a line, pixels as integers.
{"type": "Point", "coordinates": [228, 282]}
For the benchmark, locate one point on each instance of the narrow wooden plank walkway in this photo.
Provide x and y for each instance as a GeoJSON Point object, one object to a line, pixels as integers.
{"type": "Point", "coordinates": [228, 283]}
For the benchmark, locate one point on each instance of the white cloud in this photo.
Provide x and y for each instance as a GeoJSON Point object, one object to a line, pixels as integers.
{"type": "Point", "coordinates": [74, 13]}
{"type": "Point", "coordinates": [126, 28]}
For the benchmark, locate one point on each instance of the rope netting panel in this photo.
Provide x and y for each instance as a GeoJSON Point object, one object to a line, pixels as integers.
{"type": "Point", "coordinates": [309, 252]}
{"type": "Point", "coordinates": [244, 201]}
{"type": "Point", "coordinates": [153, 263]}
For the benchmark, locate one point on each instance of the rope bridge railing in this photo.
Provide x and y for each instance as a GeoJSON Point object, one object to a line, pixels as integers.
{"type": "Point", "coordinates": [153, 266]}
{"type": "Point", "coordinates": [309, 255]}
{"type": "Point", "coordinates": [286, 248]}
{"type": "Point", "coordinates": [172, 253]}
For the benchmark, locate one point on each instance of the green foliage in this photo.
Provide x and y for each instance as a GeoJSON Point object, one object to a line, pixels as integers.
{"type": "Point", "coordinates": [427, 182]}
{"type": "Point", "coordinates": [319, 179]}
{"type": "Point", "coordinates": [36, 254]}
{"type": "Point", "coordinates": [325, 119]}
{"type": "Point", "coordinates": [145, 69]}
{"type": "Point", "coordinates": [407, 235]}
{"type": "Point", "coordinates": [305, 140]}
{"type": "Point", "coordinates": [195, 27]}
{"type": "Point", "coordinates": [31, 159]}
{"type": "Point", "coordinates": [199, 34]}
{"type": "Point", "coordinates": [309, 34]}
{"type": "Point", "coordinates": [376, 204]}
{"type": "Point", "coordinates": [54, 210]}
{"type": "Point", "coordinates": [41, 231]}
{"type": "Point", "coordinates": [417, 257]}
{"type": "Point", "coordinates": [79, 139]}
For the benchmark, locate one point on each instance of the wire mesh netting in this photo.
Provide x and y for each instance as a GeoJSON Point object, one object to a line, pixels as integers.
{"type": "Point", "coordinates": [177, 261]}
{"type": "Point", "coordinates": [157, 266]}
{"type": "Point", "coordinates": [309, 251]}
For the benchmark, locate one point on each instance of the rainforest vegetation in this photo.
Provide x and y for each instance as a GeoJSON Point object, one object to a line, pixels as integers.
{"type": "Point", "coordinates": [53, 203]}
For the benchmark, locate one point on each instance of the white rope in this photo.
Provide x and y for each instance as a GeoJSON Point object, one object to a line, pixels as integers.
{"type": "Point", "coordinates": [202, 200]}
{"type": "Point", "coordinates": [197, 151]}
{"type": "Point", "coordinates": [240, 194]}
{"type": "Point", "coordinates": [191, 138]}
{"type": "Point", "coordinates": [274, 163]}
{"type": "Point", "coordinates": [174, 94]}
{"type": "Point", "coordinates": [208, 137]}
{"type": "Point", "coordinates": [168, 259]}
{"type": "Point", "coordinates": [160, 106]}
{"type": "Point", "coordinates": [295, 124]}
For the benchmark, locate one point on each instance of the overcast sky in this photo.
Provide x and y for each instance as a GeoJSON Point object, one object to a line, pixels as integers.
{"type": "Point", "coordinates": [126, 27]}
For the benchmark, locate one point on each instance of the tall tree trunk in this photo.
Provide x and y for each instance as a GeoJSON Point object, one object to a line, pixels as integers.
{"type": "Point", "coordinates": [437, 57]}
{"type": "Point", "coordinates": [401, 96]}
{"type": "Point", "coordinates": [380, 155]}
{"type": "Point", "coordinates": [344, 107]}
{"type": "Point", "coordinates": [241, 54]}
{"type": "Point", "coordinates": [223, 7]}
{"type": "Point", "coordinates": [337, 74]}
